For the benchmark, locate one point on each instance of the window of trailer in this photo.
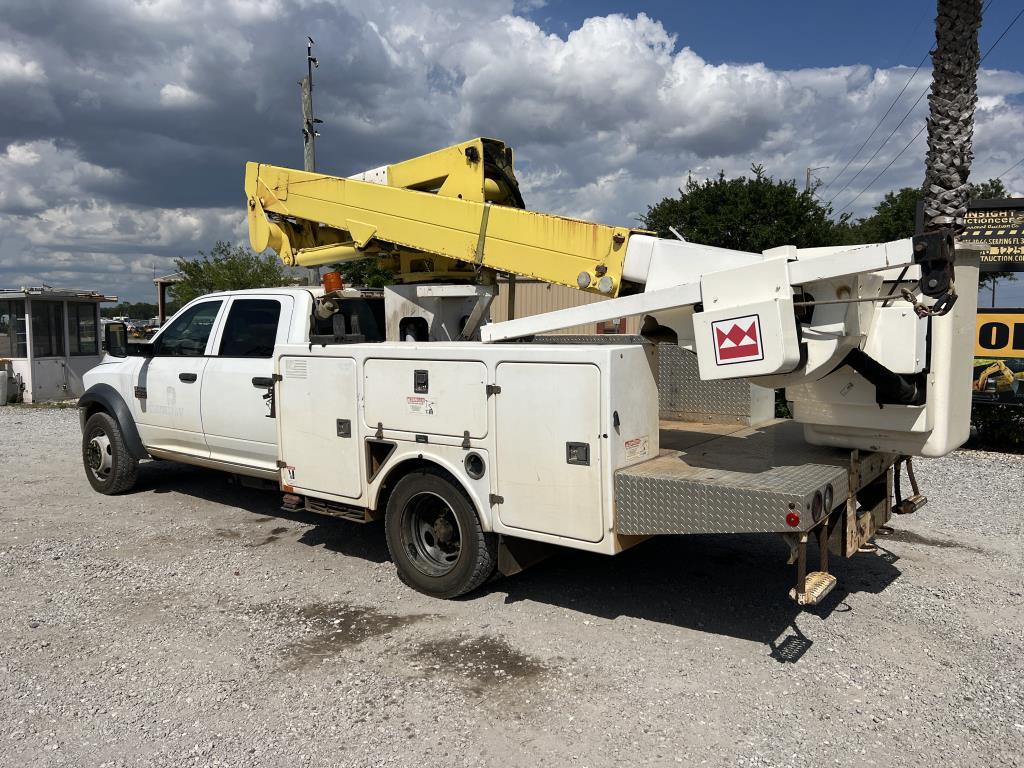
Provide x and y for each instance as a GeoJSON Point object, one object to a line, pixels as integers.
{"type": "Point", "coordinates": [12, 328]}
{"type": "Point", "coordinates": [47, 329]}
{"type": "Point", "coordinates": [82, 334]}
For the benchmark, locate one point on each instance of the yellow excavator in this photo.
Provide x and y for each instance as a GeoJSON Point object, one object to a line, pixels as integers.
{"type": "Point", "coordinates": [995, 380]}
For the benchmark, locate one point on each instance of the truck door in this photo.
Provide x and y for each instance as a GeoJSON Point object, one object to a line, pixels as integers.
{"type": "Point", "coordinates": [548, 456]}
{"type": "Point", "coordinates": [167, 386]}
{"type": "Point", "coordinates": [236, 417]}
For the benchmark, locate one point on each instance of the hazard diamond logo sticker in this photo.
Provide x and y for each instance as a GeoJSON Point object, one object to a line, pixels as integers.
{"type": "Point", "coordinates": [737, 340]}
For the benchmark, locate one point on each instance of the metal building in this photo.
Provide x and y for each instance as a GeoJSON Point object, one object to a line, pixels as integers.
{"type": "Point", "coordinates": [534, 297]}
{"type": "Point", "coordinates": [50, 337]}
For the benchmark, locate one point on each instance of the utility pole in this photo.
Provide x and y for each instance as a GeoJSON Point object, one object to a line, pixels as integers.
{"type": "Point", "coordinates": [309, 132]}
{"type": "Point", "coordinates": [807, 180]}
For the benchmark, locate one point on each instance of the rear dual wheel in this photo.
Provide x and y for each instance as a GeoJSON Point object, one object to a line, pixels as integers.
{"type": "Point", "coordinates": [435, 538]}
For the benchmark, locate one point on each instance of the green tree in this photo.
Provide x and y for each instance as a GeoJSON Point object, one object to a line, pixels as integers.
{"type": "Point", "coordinates": [140, 310]}
{"type": "Point", "coordinates": [747, 214]}
{"type": "Point", "coordinates": [894, 219]}
{"type": "Point", "coordinates": [364, 273]}
{"type": "Point", "coordinates": [227, 268]}
{"type": "Point", "coordinates": [993, 189]}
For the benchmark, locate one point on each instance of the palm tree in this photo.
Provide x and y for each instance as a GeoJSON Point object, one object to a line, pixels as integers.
{"type": "Point", "coordinates": [951, 113]}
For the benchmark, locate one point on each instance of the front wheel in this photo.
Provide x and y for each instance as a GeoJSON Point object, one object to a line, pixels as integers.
{"type": "Point", "coordinates": [435, 538]}
{"type": "Point", "coordinates": [109, 467]}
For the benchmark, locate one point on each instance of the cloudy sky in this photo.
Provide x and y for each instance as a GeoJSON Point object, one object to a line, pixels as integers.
{"type": "Point", "coordinates": [125, 124]}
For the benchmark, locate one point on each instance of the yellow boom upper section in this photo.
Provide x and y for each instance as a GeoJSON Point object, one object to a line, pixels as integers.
{"type": "Point", "coordinates": [437, 216]}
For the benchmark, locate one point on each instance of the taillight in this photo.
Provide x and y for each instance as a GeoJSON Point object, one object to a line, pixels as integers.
{"type": "Point", "coordinates": [816, 506]}
{"type": "Point", "coordinates": [793, 519]}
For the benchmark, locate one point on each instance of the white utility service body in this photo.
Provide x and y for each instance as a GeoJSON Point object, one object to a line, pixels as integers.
{"type": "Point", "coordinates": [552, 424]}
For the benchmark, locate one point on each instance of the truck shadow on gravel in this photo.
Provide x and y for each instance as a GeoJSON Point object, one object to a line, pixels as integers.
{"type": "Point", "coordinates": [365, 541]}
{"type": "Point", "coordinates": [734, 585]}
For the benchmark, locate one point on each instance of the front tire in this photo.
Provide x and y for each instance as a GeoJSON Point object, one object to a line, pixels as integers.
{"type": "Point", "coordinates": [109, 466]}
{"type": "Point", "coordinates": [435, 538]}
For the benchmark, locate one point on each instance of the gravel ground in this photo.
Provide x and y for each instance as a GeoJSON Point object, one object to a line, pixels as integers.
{"type": "Point", "coordinates": [192, 623]}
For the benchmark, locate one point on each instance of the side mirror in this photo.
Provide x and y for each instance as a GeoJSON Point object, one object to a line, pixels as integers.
{"type": "Point", "coordinates": [141, 349]}
{"type": "Point", "coordinates": [115, 339]}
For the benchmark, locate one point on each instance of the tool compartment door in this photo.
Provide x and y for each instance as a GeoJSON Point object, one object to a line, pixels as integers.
{"type": "Point", "coordinates": [316, 402]}
{"type": "Point", "coordinates": [431, 397]}
{"type": "Point", "coordinates": [544, 416]}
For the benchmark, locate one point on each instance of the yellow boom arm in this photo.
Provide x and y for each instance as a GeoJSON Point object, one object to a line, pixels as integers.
{"type": "Point", "coordinates": [439, 215]}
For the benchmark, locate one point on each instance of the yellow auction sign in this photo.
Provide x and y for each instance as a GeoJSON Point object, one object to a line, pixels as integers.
{"type": "Point", "coordinates": [1000, 333]}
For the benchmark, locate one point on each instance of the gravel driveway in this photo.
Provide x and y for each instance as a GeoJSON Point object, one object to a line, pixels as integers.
{"type": "Point", "coordinates": [192, 623]}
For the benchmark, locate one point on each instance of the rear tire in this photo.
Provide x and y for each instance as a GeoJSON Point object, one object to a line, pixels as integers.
{"type": "Point", "coordinates": [435, 538]}
{"type": "Point", "coordinates": [109, 466]}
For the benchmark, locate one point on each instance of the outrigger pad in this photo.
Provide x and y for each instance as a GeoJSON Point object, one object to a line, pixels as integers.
{"type": "Point", "coordinates": [816, 586]}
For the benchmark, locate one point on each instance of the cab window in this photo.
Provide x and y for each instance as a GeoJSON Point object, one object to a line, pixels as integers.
{"type": "Point", "coordinates": [251, 328]}
{"type": "Point", "coordinates": [188, 333]}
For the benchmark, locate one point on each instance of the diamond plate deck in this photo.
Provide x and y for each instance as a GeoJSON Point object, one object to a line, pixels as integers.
{"type": "Point", "coordinates": [721, 478]}
{"type": "Point", "coordinates": [684, 396]}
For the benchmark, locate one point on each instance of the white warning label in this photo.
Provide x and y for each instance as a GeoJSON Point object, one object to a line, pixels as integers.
{"type": "Point", "coordinates": [637, 447]}
{"type": "Point", "coordinates": [421, 406]}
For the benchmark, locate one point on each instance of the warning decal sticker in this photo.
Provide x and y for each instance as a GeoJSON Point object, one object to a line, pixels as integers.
{"type": "Point", "coordinates": [737, 340]}
{"type": "Point", "coordinates": [637, 447]}
{"type": "Point", "coordinates": [420, 405]}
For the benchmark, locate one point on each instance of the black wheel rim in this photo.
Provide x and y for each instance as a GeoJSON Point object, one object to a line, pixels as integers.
{"type": "Point", "coordinates": [431, 534]}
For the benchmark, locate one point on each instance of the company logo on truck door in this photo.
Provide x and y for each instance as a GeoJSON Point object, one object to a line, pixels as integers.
{"type": "Point", "coordinates": [737, 340]}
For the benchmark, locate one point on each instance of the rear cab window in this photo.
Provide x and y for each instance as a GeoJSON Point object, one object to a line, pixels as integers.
{"type": "Point", "coordinates": [251, 328]}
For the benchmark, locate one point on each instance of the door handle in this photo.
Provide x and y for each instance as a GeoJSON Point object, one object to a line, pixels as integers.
{"type": "Point", "coordinates": [188, 378]}
{"type": "Point", "coordinates": [262, 381]}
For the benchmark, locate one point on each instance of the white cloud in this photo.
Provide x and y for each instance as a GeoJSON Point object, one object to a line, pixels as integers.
{"type": "Point", "coordinates": [127, 170]}
{"type": "Point", "coordinates": [15, 68]}
{"type": "Point", "coordinates": [178, 96]}
{"type": "Point", "coordinates": [37, 175]}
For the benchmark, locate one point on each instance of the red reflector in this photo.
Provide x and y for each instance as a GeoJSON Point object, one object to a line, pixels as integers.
{"type": "Point", "coordinates": [793, 519]}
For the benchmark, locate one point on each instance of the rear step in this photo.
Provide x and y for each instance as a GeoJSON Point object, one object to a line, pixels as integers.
{"type": "Point", "coordinates": [816, 585]}
{"type": "Point", "coordinates": [911, 505]}
{"type": "Point", "coordinates": [811, 587]}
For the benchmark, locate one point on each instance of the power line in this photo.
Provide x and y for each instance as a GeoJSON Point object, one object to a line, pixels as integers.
{"type": "Point", "coordinates": [1000, 176]}
{"type": "Point", "coordinates": [887, 167]}
{"type": "Point", "coordinates": [890, 164]}
{"type": "Point", "coordinates": [1001, 36]}
{"type": "Point", "coordinates": [878, 124]}
{"type": "Point", "coordinates": [887, 111]}
{"type": "Point", "coordinates": [882, 145]}
{"type": "Point", "coordinates": [893, 104]}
